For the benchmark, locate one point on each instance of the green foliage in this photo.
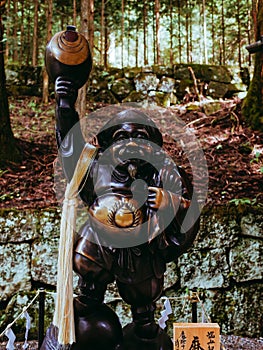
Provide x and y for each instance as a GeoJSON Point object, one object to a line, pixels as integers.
{"type": "Point", "coordinates": [243, 202]}
{"type": "Point", "coordinates": [181, 29]}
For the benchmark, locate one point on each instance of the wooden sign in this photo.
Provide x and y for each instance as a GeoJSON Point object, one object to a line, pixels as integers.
{"type": "Point", "coordinates": [196, 336]}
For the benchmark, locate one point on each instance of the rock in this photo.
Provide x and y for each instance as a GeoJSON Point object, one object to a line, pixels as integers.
{"type": "Point", "coordinates": [106, 96]}
{"type": "Point", "coordinates": [18, 226]}
{"type": "Point", "coordinates": [146, 82]}
{"type": "Point", "coordinates": [246, 261]}
{"type": "Point", "coordinates": [134, 96]}
{"type": "Point", "coordinates": [204, 269]}
{"type": "Point", "coordinates": [15, 269]}
{"type": "Point", "coordinates": [184, 86]}
{"type": "Point", "coordinates": [97, 84]}
{"type": "Point", "coordinates": [219, 74]}
{"type": "Point", "coordinates": [115, 72]}
{"type": "Point", "coordinates": [12, 77]}
{"type": "Point", "coordinates": [217, 229]}
{"type": "Point", "coordinates": [173, 99]}
{"type": "Point", "coordinates": [162, 99]}
{"type": "Point", "coordinates": [238, 310]}
{"type": "Point", "coordinates": [234, 89]}
{"type": "Point", "coordinates": [131, 72]}
{"type": "Point", "coordinates": [171, 275]}
{"type": "Point", "coordinates": [121, 88]}
{"type": "Point", "coordinates": [166, 84]}
{"type": "Point", "coordinates": [217, 89]}
{"type": "Point", "coordinates": [44, 261]}
{"type": "Point", "coordinates": [161, 71]}
{"type": "Point", "coordinates": [49, 223]}
{"type": "Point", "coordinates": [181, 72]}
{"type": "Point", "coordinates": [252, 225]}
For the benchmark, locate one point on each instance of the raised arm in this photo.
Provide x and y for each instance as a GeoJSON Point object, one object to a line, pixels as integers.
{"type": "Point", "coordinates": [68, 63]}
{"type": "Point", "coordinates": [70, 140]}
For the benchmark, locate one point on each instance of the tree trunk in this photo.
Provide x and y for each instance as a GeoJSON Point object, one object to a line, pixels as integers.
{"type": "Point", "coordinates": [252, 108]}
{"type": "Point", "coordinates": [122, 33]}
{"type": "Point", "coordinates": [102, 31]}
{"type": "Point", "coordinates": [223, 29]}
{"type": "Point", "coordinates": [205, 33]}
{"type": "Point", "coordinates": [15, 24]}
{"type": "Point", "coordinates": [8, 148]}
{"type": "Point", "coordinates": [74, 13]}
{"type": "Point", "coordinates": [179, 31]}
{"type": "Point", "coordinates": [157, 28]}
{"type": "Point", "coordinates": [22, 33]}
{"type": "Point", "coordinates": [7, 30]}
{"type": "Point", "coordinates": [137, 45]}
{"type": "Point", "coordinates": [35, 34]}
{"type": "Point", "coordinates": [239, 34]}
{"type": "Point", "coordinates": [145, 33]}
{"type": "Point", "coordinates": [248, 30]}
{"type": "Point", "coordinates": [45, 92]}
{"type": "Point", "coordinates": [213, 32]}
{"type": "Point", "coordinates": [91, 26]}
{"type": "Point", "coordinates": [82, 95]}
{"type": "Point", "coordinates": [106, 42]}
{"type": "Point", "coordinates": [187, 39]}
{"type": "Point", "coordinates": [171, 31]}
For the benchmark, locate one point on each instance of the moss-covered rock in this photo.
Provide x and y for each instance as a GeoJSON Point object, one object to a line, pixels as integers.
{"type": "Point", "coordinates": [204, 269]}
{"type": "Point", "coordinates": [238, 310]}
{"type": "Point", "coordinates": [217, 89]}
{"type": "Point", "coordinates": [146, 82]}
{"type": "Point", "coordinates": [166, 84]}
{"type": "Point", "coordinates": [246, 261]}
{"type": "Point", "coordinates": [18, 225]}
{"type": "Point", "coordinates": [121, 88]}
{"type": "Point", "coordinates": [15, 272]}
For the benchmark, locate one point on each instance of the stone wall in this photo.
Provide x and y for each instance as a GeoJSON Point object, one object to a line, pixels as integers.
{"type": "Point", "coordinates": [225, 264]}
{"type": "Point", "coordinates": [166, 85]}
{"type": "Point", "coordinates": [161, 85]}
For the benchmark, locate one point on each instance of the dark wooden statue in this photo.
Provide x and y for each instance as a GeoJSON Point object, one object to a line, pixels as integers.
{"type": "Point", "coordinates": [137, 199]}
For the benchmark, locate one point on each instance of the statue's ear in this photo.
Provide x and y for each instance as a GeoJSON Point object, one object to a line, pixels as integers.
{"type": "Point", "coordinates": [95, 141]}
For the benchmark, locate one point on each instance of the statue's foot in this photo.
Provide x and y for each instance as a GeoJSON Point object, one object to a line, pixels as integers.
{"type": "Point", "coordinates": [97, 328]}
{"type": "Point", "coordinates": [161, 340]}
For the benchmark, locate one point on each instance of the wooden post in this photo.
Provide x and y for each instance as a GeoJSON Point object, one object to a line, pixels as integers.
{"type": "Point", "coordinates": [41, 316]}
{"type": "Point", "coordinates": [194, 301]}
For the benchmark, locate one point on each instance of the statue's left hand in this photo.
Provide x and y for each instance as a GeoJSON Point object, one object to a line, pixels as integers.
{"type": "Point", "coordinates": [158, 198]}
{"type": "Point", "coordinates": [65, 92]}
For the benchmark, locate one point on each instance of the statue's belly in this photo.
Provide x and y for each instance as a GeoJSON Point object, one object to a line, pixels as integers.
{"type": "Point", "coordinates": [117, 211]}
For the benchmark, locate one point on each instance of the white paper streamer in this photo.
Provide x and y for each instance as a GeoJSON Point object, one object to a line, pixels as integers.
{"type": "Point", "coordinates": [167, 311]}
{"type": "Point", "coordinates": [11, 339]}
{"type": "Point", "coordinates": [28, 325]}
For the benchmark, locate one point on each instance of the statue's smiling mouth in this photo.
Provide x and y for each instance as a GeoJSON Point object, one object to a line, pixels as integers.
{"type": "Point", "coordinates": [132, 152]}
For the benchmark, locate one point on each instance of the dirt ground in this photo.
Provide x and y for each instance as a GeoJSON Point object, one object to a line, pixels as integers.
{"type": "Point", "coordinates": [233, 152]}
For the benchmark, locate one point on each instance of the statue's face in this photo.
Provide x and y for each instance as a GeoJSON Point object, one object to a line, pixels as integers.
{"type": "Point", "coordinates": [130, 145]}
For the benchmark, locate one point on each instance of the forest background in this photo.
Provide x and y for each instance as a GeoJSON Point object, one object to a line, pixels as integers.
{"type": "Point", "coordinates": [134, 33]}
{"type": "Point", "coordinates": [131, 33]}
